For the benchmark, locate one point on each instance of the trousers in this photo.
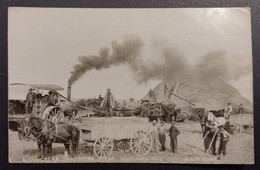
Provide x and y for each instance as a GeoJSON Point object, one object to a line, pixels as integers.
{"type": "Point", "coordinates": [222, 147]}
{"type": "Point", "coordinates": [162, 138]}
{"type": "Point", "coordinates": [109, 111]}
{"type": "Point", "coordinates": [173, 144]}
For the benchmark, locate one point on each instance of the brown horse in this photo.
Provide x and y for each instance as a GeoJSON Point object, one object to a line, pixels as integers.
{"type": "Point", "coordinates": [47, 133]}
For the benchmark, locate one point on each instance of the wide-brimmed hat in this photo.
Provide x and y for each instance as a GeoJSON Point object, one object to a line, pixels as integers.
{"type": "Point", "coordinates": [162, 121]}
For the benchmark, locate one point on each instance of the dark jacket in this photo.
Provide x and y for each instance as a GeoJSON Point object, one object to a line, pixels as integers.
{"type": "Point", "coordinates": [174, 132]}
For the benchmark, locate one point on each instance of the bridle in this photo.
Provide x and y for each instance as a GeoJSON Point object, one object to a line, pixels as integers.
{"type": "Point", "coordinates": [32, 130]}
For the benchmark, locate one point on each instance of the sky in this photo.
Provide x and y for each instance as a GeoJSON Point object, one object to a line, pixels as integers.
{"type": "Point", "coordinates": [44, 44]}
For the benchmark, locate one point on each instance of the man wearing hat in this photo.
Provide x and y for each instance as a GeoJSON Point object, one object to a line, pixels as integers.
{"type": "Point", "coordinates": [29, 101]}
{"type": "Point", "coordinates": [174, 132]}
{"type": "Point", "coordinates": [228, 111]}
{"type": "Point", "coordinates": [154, 134]}
{"type": "Point", "coordinates": [109, 103]}
{"type": "Point", "coordinates": [162, 136]}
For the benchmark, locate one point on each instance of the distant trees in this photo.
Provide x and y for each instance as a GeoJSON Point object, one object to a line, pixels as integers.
{"type": "Point", "coordinates": [131, 99]}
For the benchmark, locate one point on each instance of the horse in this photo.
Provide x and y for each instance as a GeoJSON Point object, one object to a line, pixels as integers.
{"type": "Point", "coordinates": [211, 128]}
{"type": "Point", "coordinates": [47, 133]}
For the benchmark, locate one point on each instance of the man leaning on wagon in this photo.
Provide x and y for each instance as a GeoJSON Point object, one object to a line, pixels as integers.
{"type": "Point", "coordinates": [109, 103]}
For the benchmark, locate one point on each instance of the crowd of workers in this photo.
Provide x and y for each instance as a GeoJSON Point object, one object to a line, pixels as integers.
{"type": "Point", "coordinates": [158, 133]}
{"type": "Point", "coordinates": [159, 130]}
{"type": "Point", "coordinates": [213, 129]}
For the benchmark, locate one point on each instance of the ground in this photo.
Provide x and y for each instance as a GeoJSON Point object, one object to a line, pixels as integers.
{"type": "Point", "coordinates": [240, 149]}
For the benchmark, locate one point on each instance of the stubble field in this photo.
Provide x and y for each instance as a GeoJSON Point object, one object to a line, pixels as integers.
{"type": "Point", "coordinates": [240, 149]}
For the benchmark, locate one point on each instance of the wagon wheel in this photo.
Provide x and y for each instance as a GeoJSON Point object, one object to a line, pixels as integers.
{"type": "Point", "coordinates": [123, 146]}
{"type": "Point", "coordinates": [86, 149]}
{"type": "Point", "coordinates": [103, 147]}
{"type": "Point", "coordinates": [11, 108]}
{"type": "Point", "coordinates": [141, 143]}
{"type": "Point", "coordinates": [237, 129]}
{"type": "Point", "coordinates": [183, 116]}
{"type": "Point", "coordinates": [196, 117]}
{"type": "Point", "coordinates": [55, 115]}
{"type": "Point", "coordinates": [251, 129]}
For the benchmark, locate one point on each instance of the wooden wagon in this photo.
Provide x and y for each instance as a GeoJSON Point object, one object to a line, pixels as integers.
{"type": "Point", "coordinates": [125, 134]}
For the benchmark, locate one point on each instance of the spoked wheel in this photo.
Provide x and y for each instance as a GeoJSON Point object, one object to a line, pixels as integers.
{"type": "Point", "coordinates": [251, 127]}
{"type": "Point", "coordinates": [184, 116]}
{"type": "Point", "coordinates": [55, 115]}
{"type": "Point", "coordinates": [237, 129]}
{"type": "Point", "coordinates": [86, 149]}
{"type": "Point", "coordinates": [196, 117]}
{"type": "Point", "coordinates": [141, 143]}
{"type": "Point", "coordinates": [103, 147]}
{"type": "Point", "coordinates": [123, 145]}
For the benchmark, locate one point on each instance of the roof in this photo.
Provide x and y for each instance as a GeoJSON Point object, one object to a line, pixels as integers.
{"type": "Point", "coordinates": [18, 91]}
{"type": "Point", "coordinates": [41, 86]}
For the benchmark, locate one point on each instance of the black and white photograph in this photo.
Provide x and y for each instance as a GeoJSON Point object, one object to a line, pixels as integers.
{"type": "Point", "coordinates": [143, 85]}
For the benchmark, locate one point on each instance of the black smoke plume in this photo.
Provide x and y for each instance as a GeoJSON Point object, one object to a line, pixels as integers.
{"type": "Point", "coordinates": [170, 65]}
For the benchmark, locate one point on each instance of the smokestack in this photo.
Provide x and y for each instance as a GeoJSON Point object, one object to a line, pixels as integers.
{"type": "Point", "coordinates": [69, 92]}
{"type": "Point", "coordinates": [165, 90]}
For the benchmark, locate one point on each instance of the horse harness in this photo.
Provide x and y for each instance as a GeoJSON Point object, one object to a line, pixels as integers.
{"type": "Point", "coordinates": [39, 132]}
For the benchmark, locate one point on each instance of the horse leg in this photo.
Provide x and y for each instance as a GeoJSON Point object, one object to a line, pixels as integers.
{"type": "Point", "coordinates": [66, 149]}
{"type": "Point", "coordinates": [74, 146]}
{"type": "Point", "coordinates": [39, 149]}
{"type": "Point", "coordinates": [49, 149]}
{"type": "Point", "coordinates": [71, 149]}
{"type": "Point", "coordinates": [43, 151]}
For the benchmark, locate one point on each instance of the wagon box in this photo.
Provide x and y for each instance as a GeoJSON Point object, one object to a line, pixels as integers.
{"type": "Point", "coordinates": [124, 132]}
{"type": "Point", "coordinates": [116, 127]}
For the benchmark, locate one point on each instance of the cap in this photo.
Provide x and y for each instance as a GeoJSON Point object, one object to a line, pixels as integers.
{"type": "Point", "coordinates": [162, 121]}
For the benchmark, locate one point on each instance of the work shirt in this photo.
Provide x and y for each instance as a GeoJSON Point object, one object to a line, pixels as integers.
{"type": "Point", "coordinates": [174, 132]}
{"type": "Point", "coordinates": [229, 109]}
{"type": "Point", "coordinates": [161, 130]}
{"type": "Point", "coordinates": [154, 131]}
{"type": "Point", "coordinates": [30, 96]}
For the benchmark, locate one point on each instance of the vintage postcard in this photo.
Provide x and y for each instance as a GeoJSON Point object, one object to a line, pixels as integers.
{"type": "Point", "coordinates": [130, 85]}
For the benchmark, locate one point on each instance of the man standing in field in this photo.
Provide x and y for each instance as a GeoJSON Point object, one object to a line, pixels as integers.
{"type": "Point", "coordinates": [228, 111]}
{"type": "Point", "coordinates": [162, 136]}
{"type": "Point", "coordinates": [174, 132]}
{"type": "Point", "coordinates": [240, 109]}
{"type": "Point", "coordinates": [109, 103]}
